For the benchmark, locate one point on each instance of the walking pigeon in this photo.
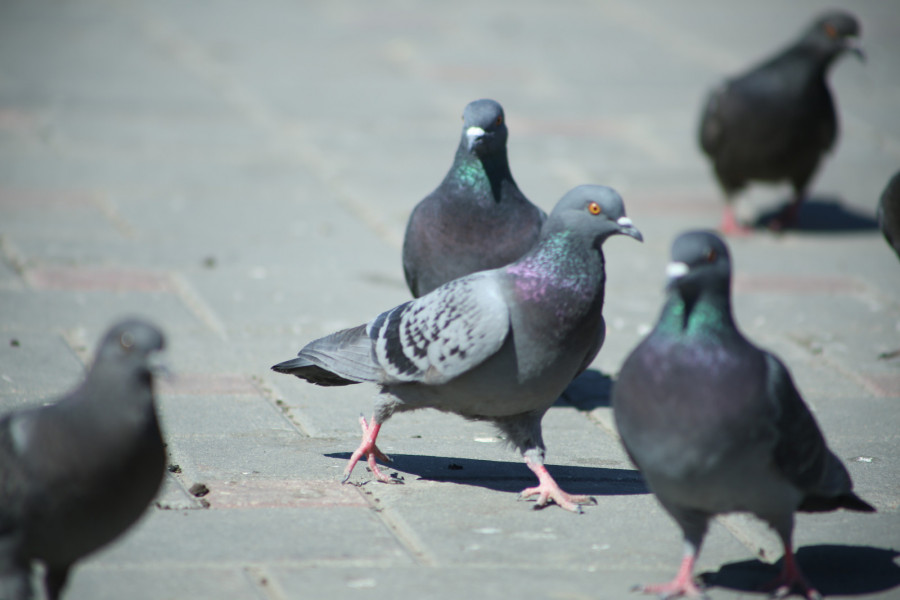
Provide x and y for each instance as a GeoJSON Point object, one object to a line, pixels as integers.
{"type": "Point", "coordinates": [889, 213]}
{"type": "Point", "coordinates": [76, 474]}
{"type": "Point", "coordinates": [716, 425]}
{"type": "Point", "coordinates": [476, 219]}
{"type": "Point", "coordinates": [498, 345]}
{"type": "Point", "coordinates": [776, 121]}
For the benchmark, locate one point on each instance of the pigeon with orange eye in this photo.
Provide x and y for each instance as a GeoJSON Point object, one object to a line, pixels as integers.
{"type": "Point", "coordinates": [497, 346]}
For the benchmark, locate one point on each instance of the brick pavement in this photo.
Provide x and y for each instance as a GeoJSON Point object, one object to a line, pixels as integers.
{"type": "Point", "coordinates": [241, 173]}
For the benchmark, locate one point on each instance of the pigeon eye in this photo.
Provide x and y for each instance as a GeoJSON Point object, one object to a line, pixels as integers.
{"type": "Point", "coordinates": [711, 255]}
{"type": "Point", "coordinates": [594, 208]}
{"type": "Point", "coordinates": [126, 341]}
{"type": "Point", "coordinates": [830, 31]}
{"type": "Point", "coordinates": [498, 121]}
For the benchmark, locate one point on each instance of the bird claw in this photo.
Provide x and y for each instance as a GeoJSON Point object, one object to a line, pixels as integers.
{"type": "Point", "coordinates": [673, 589]}
{"type": "Point", "coordinates": [546, 495]}
{"type": "Point", "coordinates": [368, 449]}
{"type": "Point", "coordinates": [782, 587]}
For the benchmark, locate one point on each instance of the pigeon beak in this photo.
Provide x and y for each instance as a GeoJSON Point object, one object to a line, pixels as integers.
{"type": "Point", "coordinates": [627, 228]}
{"type": "Point", "coordinates": [473, 135]}
{"type": "Point", "coordinates": [675, 271]}
{"type": "Point", "coordinates": [853, 45]}
{"type": "Point", "coordinates": [160, 370]}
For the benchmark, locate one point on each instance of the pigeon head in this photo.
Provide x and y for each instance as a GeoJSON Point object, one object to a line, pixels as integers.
{"type": "Point", "coordinates": [700, 261]}
{"type": "Point", "coordinates": [593, 211]}
{"type": "Point", "coordinates": [131, 340]}
{"type": "Point", "coordinates": [484, 127]}
{"type": "Point", "coordinates": [834, 33]}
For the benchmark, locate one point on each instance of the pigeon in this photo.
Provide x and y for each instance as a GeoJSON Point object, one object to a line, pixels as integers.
{"type": "Point", "coordinates": [76, 474]}
{"type": "Point", "coordinates": [476, 219]}
{"type": "Point", "coordinates": [776, 121]}
{"type": "Point", "coordinates": [889, 213]}
{"type": "Point", "coordinates": [716, 424]}
{"type": "Point", "coordinates": [497, 345]}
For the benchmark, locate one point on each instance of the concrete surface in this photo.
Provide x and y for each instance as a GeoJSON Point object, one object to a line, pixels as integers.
{"type": "Point", "coordinates": [241, 173]}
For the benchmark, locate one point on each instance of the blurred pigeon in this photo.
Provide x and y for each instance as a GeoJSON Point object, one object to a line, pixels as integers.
{"type": "Point", "coordinates": [497, 345]}
{"type": "Point", "coordinates": [476, 219]}
{"type": "Point", "coordinates": [76, 474]}
{"type": "Point", "coordinates": [889, 213]}
{"type": "Point", "coordinates": [715, 424]}
{"type": "Point", "coordinates": [775, 122]}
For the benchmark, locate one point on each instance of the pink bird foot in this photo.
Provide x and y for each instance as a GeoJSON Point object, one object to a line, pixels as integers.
{"type": "Point", "coordinates": [730, 225]}
{"type": "Point", "coordinates": [547, 490]}
{"type": "Point", "coordinates": [368, 448]}
{"type": "Point", "coordinates": [682, 585]}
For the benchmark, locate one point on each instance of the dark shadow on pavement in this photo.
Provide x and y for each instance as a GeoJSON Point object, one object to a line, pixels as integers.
{"type": "Point", "coordinates": [592, 389]}
{"type": "Point", "coordinates": [826, 214]}
{"type": "Point", "coordinates": [834, 570]}
{"type": "Point", "coordinates": [505, 476]}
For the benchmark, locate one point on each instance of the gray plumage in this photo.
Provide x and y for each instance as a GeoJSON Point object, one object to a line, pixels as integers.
{"type": "Point", "coordinates": [714, 423]}
{"type": "Point", "coordinates": [775, 122]}
{"type": "Point", "coordinates": [498, 345]}
{"type": "Point", "coordinates": [889, 213]}
{"type": "Point", "coordinates": [76, 474]}
{"type": "Point", "coordinates": [477, 218]}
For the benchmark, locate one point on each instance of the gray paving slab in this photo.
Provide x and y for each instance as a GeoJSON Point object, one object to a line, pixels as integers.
{"type": "Point", "coordinates": [242, 173]}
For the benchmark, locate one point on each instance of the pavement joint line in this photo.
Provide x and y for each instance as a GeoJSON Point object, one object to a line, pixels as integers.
{"type": "Point", "coordinates": [751, 533]}
{"type": "Point", "coordinates": [868, 387]}
{"type": "Point", "coordinates": [263, 583]}
{"type": "Point", "coordinates": [197, 305]}
{"type": "Point", "coordinates": [108, 209]}
{"type": "Point", "coordinates": [405, 535]}
{"type": "Point", "coordinates": [296, 417]}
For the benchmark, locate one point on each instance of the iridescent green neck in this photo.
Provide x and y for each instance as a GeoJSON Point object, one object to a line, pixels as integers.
{"type": "Point", "coordinates": [703, 316]}
{"type": "Point", "coordinates": [471, 173]}
{"type": "Point", "coordinates": [482, 174]}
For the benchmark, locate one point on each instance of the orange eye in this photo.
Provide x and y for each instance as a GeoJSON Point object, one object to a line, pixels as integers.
{"type": "Point", "coordinates": [594, 208]}
{"type": "Point", "coordinates": [499, 121]}
{"type": "Point", "coordinates": [830, 31]}
{"type": "Point", "coordinates": [711, 255]}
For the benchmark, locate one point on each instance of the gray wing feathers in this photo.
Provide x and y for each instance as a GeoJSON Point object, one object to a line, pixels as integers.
{"type": "Point", "coordinates": [442, 334]}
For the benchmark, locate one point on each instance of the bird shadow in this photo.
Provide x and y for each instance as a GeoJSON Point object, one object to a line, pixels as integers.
{"type": "Point", "coordinates": [592, 389]}
{"type": "Point", "coordinates": [823, 213]}
{"type": "Point", "coordinates": [831, 569]}
{"type": "Point", "coordinates": [504, 476]}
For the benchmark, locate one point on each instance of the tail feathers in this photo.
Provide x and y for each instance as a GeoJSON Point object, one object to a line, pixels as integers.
{"type": "Point", "coordinates": [342, 358]}
{"type": "Point", "coordinates": [849, 501]}
{"type": "Point", "coordinates": [304, 369]}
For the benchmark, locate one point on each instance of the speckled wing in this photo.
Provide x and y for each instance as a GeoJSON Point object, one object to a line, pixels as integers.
{"type": "Point", "coordinates": [442, 334]}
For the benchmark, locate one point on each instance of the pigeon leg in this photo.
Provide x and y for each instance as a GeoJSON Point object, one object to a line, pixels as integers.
{"type": "Point", "coordinates": [730, 225]}
{"type": "Point", "coordinates": [55, 579]}
{"type": "Point", "coordinates": [790, 579]}
{"type": "Point", "coordinates": [368, 448]}
{"type": "Point", "coordinates": [547, 490]}
{"type": "Point", "coordinates": [787, 217]}
{"type": "Point", "coordinates": [682, 585]}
